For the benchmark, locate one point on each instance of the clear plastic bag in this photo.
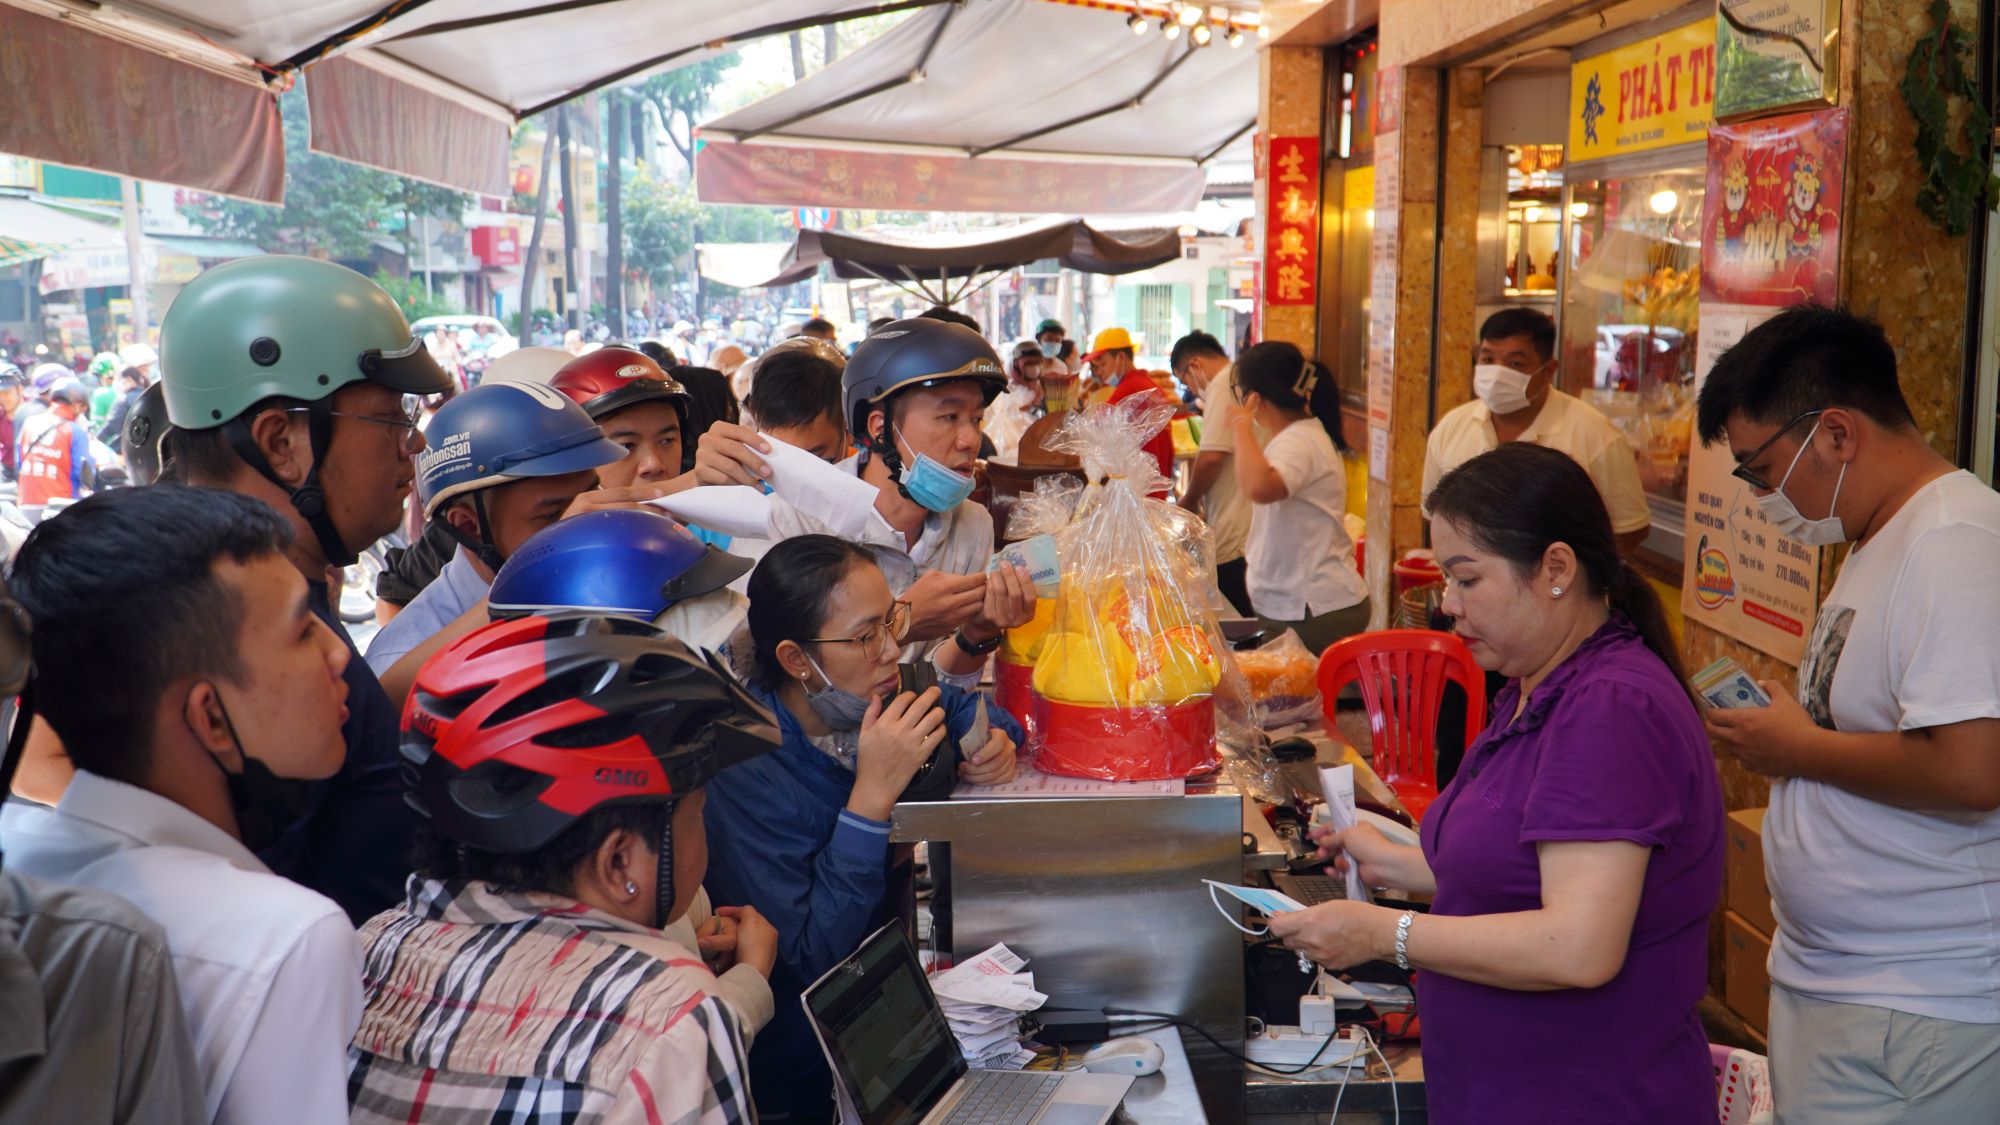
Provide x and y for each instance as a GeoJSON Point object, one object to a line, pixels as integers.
{"type": "Point", "coordinates": [1283, 679]}
{"type": "Point", "coordinates": [1131, 667]}
{"type": "Point", "coordinates": [1045, 511]}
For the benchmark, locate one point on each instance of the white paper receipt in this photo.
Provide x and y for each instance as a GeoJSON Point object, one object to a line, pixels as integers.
{"type": "Point", "coordinates": [1336, 784]}
{"type": "Point", "coordinates": [735, 510]}
{"type": "Point", "coordinates": [839, 500]}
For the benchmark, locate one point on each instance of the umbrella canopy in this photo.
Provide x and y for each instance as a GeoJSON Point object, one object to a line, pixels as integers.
{"type": "Point", "coordinates": [986, 106]}
{"type": "Point", "coordinates": [929, 264]}
{"type": "Point", "coordinates": [1019, 77]}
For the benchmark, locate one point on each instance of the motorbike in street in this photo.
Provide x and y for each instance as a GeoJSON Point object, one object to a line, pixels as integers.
{"type": "Point", "coordinates": [356, 603]}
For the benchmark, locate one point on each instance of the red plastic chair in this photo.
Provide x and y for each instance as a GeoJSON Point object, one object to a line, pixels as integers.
{"type": "Point", "coordinates": [1402, 673]}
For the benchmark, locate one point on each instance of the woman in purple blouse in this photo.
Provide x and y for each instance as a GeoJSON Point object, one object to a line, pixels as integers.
{"type": "Point", "coordinates": [1577, 856]}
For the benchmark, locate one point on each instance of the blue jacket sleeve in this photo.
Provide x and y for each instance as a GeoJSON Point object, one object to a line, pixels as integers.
{"type": "Point", "coordinates": [81, 466]}
{"type": "Point", "coordinates": [817, 872]}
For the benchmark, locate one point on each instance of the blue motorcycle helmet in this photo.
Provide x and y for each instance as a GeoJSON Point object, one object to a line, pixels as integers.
{"type": "Point", "coordinates": [624, 561]}
{"type": "Point", "coordinates": [500, 432]}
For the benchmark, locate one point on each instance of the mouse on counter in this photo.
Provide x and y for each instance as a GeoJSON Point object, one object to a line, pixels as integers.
{"type": "Point", "coordinates": [1294, 749]}
{"type": "Point", "coordinates": [1131, 1055]}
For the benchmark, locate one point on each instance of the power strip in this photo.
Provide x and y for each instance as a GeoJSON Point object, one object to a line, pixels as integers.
{"type": "Point", "coordinates": [1287, 1046]}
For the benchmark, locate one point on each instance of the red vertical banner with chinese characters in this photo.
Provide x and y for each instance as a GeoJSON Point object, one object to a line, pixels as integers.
{"type": "Point", "coordinates": [1291, 222]}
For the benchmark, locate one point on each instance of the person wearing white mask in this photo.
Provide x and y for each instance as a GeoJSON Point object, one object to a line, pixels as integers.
{"type": "Point", "coordinates": [1514, 379]}
{"type": "Point", "coordinates": [1882, 843]}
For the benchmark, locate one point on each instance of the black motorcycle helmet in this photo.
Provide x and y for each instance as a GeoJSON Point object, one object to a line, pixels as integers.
{"type": "Point", "coordinates": [906, 354]}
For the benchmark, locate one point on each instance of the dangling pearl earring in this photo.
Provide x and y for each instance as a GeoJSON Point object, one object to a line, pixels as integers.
{"type": "Point", "coordinates": [631, 888]}
{"type": "Point", "coordinates": [1555, 591]}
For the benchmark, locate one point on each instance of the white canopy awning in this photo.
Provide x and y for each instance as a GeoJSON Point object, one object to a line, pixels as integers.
{"type": "Point", "coordinates": [512, 55]}
{"type": "Point", "coordinates": [1019, 78]}
{"type": "Point", "coordinates": [741, 265]}
{"type": "Point", "coordinates": [426, 88]}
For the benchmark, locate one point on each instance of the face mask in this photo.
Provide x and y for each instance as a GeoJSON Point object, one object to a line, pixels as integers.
{"type": "Point", "coordinates": [1503, 389]}
{"type": "Point", "coordinates": [931, 484]}
{"type": "Point", "coordinates": [1053, 351]}
{"type": "Point", "coordinates": [266, 805]}
{"type": "Point", "coordinates": [1786, 517]}
{"type": "Point", "coordinates": [841, 710]}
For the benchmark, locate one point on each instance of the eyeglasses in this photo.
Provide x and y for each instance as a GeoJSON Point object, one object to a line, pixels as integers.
{"type": "Point", "coordinates": [879, 639]}
{"type": "Point", "coordinates": [1742, 470]}
{"type": "Point", "coordinates": [410, 439]}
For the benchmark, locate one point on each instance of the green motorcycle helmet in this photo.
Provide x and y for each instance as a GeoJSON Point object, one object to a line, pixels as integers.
{"type": "Point", "coordinates": [280, 325]}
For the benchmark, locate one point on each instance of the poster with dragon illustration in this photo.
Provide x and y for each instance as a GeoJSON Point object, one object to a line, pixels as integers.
{"type": "Point", "coordinates": [1771, 215]}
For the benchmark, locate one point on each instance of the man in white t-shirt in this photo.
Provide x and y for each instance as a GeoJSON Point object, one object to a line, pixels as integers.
{"type": "Point", "coordinates": [1882, 844]}
{"type": "Point", "coordinates": [1514, 377]}
{"type": "Point", "coordinates": [1200, 362]}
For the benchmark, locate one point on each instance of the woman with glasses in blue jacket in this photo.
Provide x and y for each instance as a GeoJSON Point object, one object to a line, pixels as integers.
{"type": "Point", "coordinates": [803, 834]}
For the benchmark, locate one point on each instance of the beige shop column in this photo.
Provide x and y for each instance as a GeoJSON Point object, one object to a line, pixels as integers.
{"type": "Point", "coordinates": [1291, 100]}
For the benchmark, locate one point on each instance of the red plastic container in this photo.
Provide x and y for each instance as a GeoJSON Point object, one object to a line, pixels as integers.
{"type": "Point", "coordinates": [1014, 691]}
{"type": "Point", "coordinates": [1127, 743]}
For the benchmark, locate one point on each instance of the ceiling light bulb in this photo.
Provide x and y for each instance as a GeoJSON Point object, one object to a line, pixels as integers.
{"type": "Point", "coordinates": [1235, 37]}
{"type": "Point", "coordinates": [1170, 29]}
{"type": "Point", "coordinates": [1263, 31]}
{"type": "Point", "coordinates": [1137, 23]}
{"type": "Point", "coordinates": [1579, 210]}
{"type": "Point", "coordinates": [1200, 35]}
{"type": "Point", "coordinates": [1664, 201]}
{"type": "Point", "coordinates": [1189, 16]}
{"type": "Point", "coordinates": [1531, 215]}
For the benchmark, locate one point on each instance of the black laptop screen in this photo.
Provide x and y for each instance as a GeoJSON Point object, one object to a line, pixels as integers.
{"type": "Point", "coordinates": [884, 1030]}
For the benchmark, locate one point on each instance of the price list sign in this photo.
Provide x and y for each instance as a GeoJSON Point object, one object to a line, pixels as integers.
{"type": "Point", "coordinates": [1741, 577]}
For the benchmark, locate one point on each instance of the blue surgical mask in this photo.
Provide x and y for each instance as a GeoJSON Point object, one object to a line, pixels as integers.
{"type": "Point", "coordinates": [841, 710]}
{"type": "Point", "coordinates": [1053, 351]}
{"type": "Point", "coordinates": [931, 484]}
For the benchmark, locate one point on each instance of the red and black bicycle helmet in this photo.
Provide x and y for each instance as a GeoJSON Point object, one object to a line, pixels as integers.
{"type": "Point", "coordinates": [521, 728]}
{"type": "Point", "coordinates": [610, 379]}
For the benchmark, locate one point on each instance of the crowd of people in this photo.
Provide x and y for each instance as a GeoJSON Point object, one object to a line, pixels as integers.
{"type": "Point", "coordinates": [608, 790]}
{"type": "Point", "coordinates": [62, 428]}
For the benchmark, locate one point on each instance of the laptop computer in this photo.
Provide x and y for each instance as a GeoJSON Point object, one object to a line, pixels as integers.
{"type": "Point", "coordinates": [895, 1062]}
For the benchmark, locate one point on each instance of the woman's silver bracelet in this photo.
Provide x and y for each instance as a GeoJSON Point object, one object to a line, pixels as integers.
{"type": "Point", "coordinates": [1403, 939]}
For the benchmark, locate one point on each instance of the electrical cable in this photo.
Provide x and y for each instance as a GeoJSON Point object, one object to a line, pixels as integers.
{"type": "Point", "coordinates": [1309, 1065]}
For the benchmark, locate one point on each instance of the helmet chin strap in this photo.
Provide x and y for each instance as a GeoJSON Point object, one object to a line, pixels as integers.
{"type": "Point", "coordinates": [482, 547]}
{"type": "Point", "coordinates": [663, 884]}
{"type": "Point", "coordinates": [883, 445]}
{"type": "Point", "coordinates": [308, 499]}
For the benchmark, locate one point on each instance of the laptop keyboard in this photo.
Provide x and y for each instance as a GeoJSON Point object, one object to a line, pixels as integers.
{"type": "Point", "coordinates": [1003, 1097]}
{"type": "Point", "coordinates": [1311, 890]}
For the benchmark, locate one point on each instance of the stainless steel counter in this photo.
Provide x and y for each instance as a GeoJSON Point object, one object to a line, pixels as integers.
{"type": "Point", "coordinates": [1104, 897]}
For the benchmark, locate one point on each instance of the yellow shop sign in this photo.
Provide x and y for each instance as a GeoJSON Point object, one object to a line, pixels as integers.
{"type": "Point", "coordinates": [1645, 95]}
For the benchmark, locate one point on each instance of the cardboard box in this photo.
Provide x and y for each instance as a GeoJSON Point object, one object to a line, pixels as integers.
{"type": "Point", "coordinates": [1746, 972]}
{"type": "Point", "coordinates": [1744, 890]}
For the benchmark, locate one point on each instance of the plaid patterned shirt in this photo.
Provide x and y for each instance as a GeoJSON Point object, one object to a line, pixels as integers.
{"type": "Point", "coordinates": [488, 1005]}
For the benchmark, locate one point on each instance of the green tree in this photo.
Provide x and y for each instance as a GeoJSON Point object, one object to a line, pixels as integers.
{"type": "Point", "coordinates": [726, 222]}
{"type": "Point", "coordinates": [679, 96]}
{"type": "Point", "coordinates": [416, 301]}
{"type": "Point", "coordinates": [331, 205]}
{"type": "Point", "coordinates": [660, 219]}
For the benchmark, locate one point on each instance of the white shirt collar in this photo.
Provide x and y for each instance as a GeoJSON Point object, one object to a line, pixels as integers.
{"type": "Point", "coordinates": [149, 820]}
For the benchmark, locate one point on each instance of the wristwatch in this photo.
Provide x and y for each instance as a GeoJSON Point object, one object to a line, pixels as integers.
{"type": "Point", "coordinates": [977, 648]}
